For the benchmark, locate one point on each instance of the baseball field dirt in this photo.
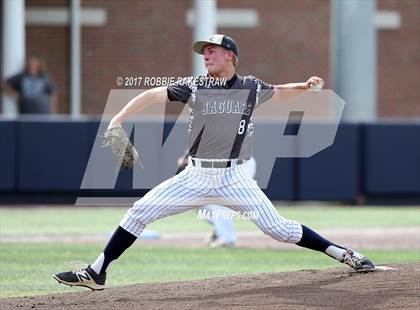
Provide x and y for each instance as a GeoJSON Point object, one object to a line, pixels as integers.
{"type": "Point", "coordinates": [395, 286]}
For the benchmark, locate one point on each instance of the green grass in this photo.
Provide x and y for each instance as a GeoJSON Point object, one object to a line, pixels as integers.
{"type": "Point", "coordinates": [26, 269]}
{"type": "Point", "coordinates": [85, 221]}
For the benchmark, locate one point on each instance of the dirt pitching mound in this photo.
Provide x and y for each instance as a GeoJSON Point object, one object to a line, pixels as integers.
{"type": "Point", "coordinates": [309, 289]}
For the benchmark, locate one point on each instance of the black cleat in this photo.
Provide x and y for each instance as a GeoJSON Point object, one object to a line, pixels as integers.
{"type": "Point", "coordinates": [357, 261]}
{"type": "Point", "coordinates": [85, 276]}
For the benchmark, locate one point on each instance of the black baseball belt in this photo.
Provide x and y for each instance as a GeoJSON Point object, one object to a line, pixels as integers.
{"type": "Point", "coordinates": [215, 164]}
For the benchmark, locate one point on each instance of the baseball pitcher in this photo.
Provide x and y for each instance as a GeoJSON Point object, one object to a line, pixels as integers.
{"type": "Point", "coordinates": [221, 118]}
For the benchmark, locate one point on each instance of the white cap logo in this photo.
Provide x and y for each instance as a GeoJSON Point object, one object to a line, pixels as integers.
{"type": "Point", "coordinates": [217, 38]}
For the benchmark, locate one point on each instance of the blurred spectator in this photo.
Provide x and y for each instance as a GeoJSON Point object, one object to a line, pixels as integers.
{"type": "Point", "coordinates": [34, 87]}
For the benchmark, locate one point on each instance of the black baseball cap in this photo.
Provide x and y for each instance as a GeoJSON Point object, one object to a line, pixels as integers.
{"type": "Point", "coordinates": [217, 39]}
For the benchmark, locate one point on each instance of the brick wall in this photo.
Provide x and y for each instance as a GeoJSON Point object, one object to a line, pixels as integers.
{"type": "Point", "coordinates": [141, 38]}
{"type": "Point", "coordinates": [291, 42]}
{"type": "Point", "coordinates": [399, 62]}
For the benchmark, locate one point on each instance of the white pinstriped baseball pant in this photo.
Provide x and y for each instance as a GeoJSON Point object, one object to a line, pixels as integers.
{"type": "Point", "coordinates": [194, 187]}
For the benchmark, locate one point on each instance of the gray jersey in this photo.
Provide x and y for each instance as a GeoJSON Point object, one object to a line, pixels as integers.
{"type": "Point", "coordinates": [221, 116]}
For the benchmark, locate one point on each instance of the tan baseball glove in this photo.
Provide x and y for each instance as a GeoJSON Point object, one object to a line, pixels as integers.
{"type": "Point", "coordinates": [123, 150]}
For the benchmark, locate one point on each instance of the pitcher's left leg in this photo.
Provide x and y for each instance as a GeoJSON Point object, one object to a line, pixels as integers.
{"type": "Point", "coordinates": [245, 195]}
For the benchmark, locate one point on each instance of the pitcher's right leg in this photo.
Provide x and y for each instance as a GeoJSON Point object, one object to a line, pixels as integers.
{"type": "Point", "coordinates": [173, 196]}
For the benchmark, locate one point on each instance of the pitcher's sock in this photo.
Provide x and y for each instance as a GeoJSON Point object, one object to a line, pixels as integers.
{"type": "Point", "coordinates": [120, 241]}
{"type": "Point", "coordinates": [314, 241]}
{"type": "Point", "coordinates": [336, 252]}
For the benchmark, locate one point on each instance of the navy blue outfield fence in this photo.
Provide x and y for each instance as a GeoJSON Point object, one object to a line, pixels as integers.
{"type": "Point", "coordinates": [47, 157]}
